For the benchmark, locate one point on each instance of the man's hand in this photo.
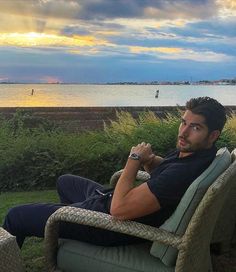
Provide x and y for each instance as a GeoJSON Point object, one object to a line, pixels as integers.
{"type": "Point", "coordinates": [144, 150]}
{"type": "Point", "coordinates": [148, 159]}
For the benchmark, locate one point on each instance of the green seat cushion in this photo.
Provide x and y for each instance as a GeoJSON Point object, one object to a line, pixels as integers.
{"type": "Point", "coordinates": [76, 256]}
{"type": "Point", "coordinates": [179, 220]}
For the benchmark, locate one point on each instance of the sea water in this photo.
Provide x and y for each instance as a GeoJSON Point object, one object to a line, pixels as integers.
{"type": "Point", "coordinates": [91, 95]}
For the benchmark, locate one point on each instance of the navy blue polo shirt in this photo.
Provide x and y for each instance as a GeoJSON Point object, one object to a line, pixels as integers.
{"type": "Point", "coordinates": [170, 180]}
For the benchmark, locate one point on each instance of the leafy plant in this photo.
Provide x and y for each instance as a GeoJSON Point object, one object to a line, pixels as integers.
{"type": "Point", "coordinates": [35, 156]}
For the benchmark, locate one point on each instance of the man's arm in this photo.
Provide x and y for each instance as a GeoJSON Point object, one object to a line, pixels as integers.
{"type": "Point", "coordinates": [131, 202]}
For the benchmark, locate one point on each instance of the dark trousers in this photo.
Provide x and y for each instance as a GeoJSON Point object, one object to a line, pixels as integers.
{"type": "Point", "coordinates": [30, 219]}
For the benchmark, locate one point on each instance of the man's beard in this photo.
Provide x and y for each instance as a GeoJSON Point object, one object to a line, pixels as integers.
{"type": "Point", "coordinates": [188, 146]}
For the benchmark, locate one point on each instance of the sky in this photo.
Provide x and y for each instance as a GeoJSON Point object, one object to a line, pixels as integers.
{"type": "Point", "coordinates": [100, 41]}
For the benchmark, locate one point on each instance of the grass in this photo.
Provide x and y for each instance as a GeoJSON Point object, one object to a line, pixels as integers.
{"type": "Point", "coordinates": [32, 250]}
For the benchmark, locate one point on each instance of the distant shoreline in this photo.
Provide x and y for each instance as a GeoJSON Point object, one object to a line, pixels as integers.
{"type": "Point", "coordinates": [197, 83]}
{"type": "Point", "coordinates": [140, 84]}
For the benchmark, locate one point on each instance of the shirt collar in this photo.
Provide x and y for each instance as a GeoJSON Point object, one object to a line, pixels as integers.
{"type": "Point", "coordinates": [201, 153]}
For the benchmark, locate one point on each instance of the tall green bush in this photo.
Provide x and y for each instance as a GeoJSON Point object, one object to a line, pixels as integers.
{"type": "Point", "coordinates": [34, 156]}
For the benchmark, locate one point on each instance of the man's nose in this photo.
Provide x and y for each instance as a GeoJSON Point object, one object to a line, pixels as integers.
{"type": "Point", "coordinates": [184, 131]}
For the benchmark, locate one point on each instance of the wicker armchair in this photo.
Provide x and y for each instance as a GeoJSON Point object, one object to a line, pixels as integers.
{"type": "Point", "coordinates": [141, 177]}
{"type": "Point", "coordinates": [225, 229]}
{"type": "Point", "coordinates": [193, 247]}
{"type": "Point", "coordinates": [10, 260]}
{"type": "Point", "coordinates": [224, 234]}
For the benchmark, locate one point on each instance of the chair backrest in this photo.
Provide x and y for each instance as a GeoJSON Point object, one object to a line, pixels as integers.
{"type": "Point", "coordinates": [179, 220]}
{"type": "Point", "coordinates": [226, 222]}
{"type": "Point", "coordinates": [194, 254]}
{"type": "Point", "coordinates": [233, 155]}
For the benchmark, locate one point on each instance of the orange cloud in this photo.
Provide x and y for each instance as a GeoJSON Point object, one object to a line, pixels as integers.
{"type": "Point", "coordinates": [165, 50]}
{"type": "Point", "coordinates": [109, 33]}
{"type": "Point", "coordinates": [88, 41]}
{"type": "Point", "coordinates": [227, 7]}
{"type": "Point", "coordinates": [50, 79]}
{"type": "Point", "coordinates": [230, 4]}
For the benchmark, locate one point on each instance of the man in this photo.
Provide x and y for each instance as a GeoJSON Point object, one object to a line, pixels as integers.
{"type": "Point", "coordinates": [152, 202]}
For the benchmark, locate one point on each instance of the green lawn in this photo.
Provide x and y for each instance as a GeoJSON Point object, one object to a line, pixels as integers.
{"type": "Point", "coordinates": [32, 250]}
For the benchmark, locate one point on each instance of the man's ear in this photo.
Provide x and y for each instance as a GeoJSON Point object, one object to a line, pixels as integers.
{"type": "Point", "coordinates": [214, 135]}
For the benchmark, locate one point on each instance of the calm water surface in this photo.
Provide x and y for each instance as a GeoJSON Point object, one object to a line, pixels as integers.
{"type": "Point", "coordinates": [76, 95]}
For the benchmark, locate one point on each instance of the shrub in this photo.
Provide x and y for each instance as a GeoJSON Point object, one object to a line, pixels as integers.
{"type": "Point", "coordinates": [34, 156]}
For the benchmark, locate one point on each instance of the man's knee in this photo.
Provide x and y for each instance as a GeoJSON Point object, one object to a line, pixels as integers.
{"type": "Point", "coordinates": [11, 218]}
{"type": "Point", "coordinates": [12, 212]}
{"type": "Point", "coordinates": [62, 180]}
{"type": "Point", "coordinates": [12, 224]}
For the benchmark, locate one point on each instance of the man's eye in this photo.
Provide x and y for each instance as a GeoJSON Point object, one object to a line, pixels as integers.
{"type": "Point", "coordinates": [195, 128]}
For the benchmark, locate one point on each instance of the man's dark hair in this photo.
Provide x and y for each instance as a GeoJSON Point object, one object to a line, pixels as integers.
{"type": "Point", "coordinates": [211, 109]}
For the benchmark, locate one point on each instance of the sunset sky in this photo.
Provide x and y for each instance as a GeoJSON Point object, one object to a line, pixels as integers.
{"type": "Point", "coordinates": [96, 41]}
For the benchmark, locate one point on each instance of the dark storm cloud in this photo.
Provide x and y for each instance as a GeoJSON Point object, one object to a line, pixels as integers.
{"type": "Point", "coordinates": [143, 8]}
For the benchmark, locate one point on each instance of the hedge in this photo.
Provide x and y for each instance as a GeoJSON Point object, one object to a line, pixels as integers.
{"type": "Point", "coordinates": [34, 156]}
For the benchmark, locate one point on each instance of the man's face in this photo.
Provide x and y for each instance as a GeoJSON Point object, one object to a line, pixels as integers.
{"type": "Point", "coordinates": [194, 134]}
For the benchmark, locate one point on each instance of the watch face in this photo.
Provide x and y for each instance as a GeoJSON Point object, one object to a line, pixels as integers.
{"type": "Point", "coordinates": [134, 156]}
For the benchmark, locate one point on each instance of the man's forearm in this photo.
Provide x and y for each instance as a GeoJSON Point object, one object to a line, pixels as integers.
{"type": "Point", "coordinates": [127, 200]}
{"type": "Point", "coordinates": [125, 182]}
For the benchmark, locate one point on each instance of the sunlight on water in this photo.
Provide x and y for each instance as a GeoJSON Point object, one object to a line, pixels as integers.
{"type": "Point", "coordinates": [75, 95]}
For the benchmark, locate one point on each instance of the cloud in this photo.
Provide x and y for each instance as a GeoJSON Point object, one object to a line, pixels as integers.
{"type": "Point", "coordinates": [53, 34]}
{"type": "Point", "coordinates": [4, 78]}
{"type": "Point", "coordinates": [173, 53]}
{"type": "Point", "coordinates": [165, 50]}
{"type": "Point", "coordinates": [93, 28]}
{"type": "Point", "coordinates": [106, 9]}
{"type": "Point", "coordinates": [41, 9]}
{"type": "Point", "coordinates": [149, 18]}
{"type": "Point", "coordinates": [50, 79]}
{"type": "Point", "coordinates": [43, 40]}
{"type": "Point", "coordinates": [205, 57]}
{"type": "Point", "coordinates": [214, 28]}
{"type": "Point", "coordinates": [227, 8]}
{"type": "Point", "coordinates": [36, 15]}
{"type": "Point", "coordinates": [190, 10]}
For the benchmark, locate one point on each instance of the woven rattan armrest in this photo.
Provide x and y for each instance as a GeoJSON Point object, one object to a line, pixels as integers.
{"type": "Point", "coordinates": [10, 259]}
{"type": "Point", "coordinates": [141, 176]}
{"type": "Point", "coordinates": [100, 220]}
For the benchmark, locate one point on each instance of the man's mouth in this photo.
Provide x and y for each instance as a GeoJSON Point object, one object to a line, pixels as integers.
{"type": "Point", "coordinates": [182, 141]}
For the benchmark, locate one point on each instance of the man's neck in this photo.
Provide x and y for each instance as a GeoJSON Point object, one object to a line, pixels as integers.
{"type": "Point", "coordinates": [185, 154]}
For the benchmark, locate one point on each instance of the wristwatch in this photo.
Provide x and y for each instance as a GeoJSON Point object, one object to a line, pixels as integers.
{"type": "Point", "coordinates": [134, 156]}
